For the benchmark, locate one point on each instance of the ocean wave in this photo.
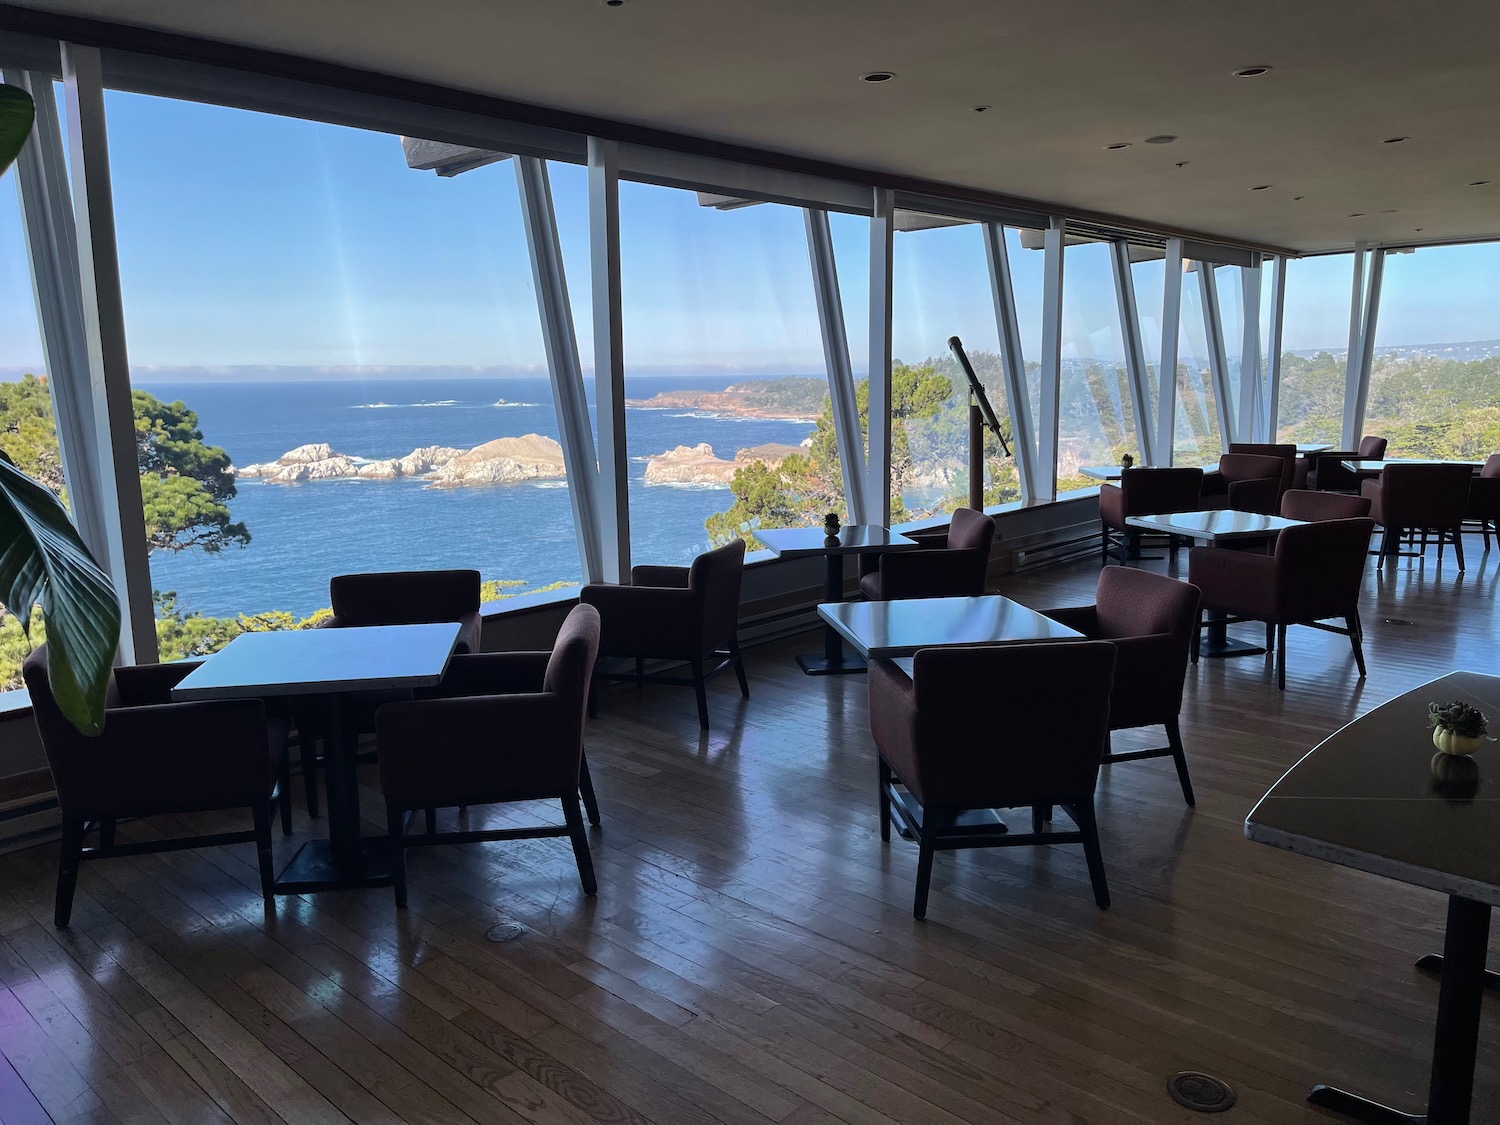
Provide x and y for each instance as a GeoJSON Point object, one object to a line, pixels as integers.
{"type": "Point", "coordinates": [405, 405]}
{"type": "Point", "coordinates": [505, 404]}
{"type": "Point", "coordinates": [552, 484]}
{"type": "Point", "coordinates": [699, 414]}
{"type": "Point", "coordinates": [443, 402]}
{"type": "Point", "coordinates": [689, 485]}
{"type": "Point", "coordinates": [374, 406]}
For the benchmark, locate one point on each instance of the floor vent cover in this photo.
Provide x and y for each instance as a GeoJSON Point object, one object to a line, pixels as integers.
{"type": "Point", "coordinates": [506, 931]}
{"type": "Point", "coordinates": [1202, 1092]}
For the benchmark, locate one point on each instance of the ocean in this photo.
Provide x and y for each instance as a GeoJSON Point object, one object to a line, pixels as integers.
{"type": "Point", "coordinates": [303, 534]}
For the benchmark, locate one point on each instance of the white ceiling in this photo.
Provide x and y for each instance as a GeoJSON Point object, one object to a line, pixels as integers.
{"type": "Point", "coordinates": [1064, 79]}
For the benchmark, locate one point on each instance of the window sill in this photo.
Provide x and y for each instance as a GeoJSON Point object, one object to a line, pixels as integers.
{"type": "Point", "coordinates": [16, 702]}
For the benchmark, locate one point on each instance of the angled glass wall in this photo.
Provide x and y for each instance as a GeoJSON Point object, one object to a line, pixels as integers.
{"type": "Point", "coordinates": [1149, 278]}
{"type": "Point", "coordinates": [1315, 347]}
{"type": "Point", "coordinates": [1096, 424]}
{"type": "Point", "coordinates": [1198, 438]}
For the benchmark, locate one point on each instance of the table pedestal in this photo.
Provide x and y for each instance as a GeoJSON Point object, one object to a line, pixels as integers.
{"type": "Point", "coordinates": [1451, 1086]}
{"type": "Point", "coordinates": [1217, 644]}
{"type": "Point", "coordinates": [834, 661]}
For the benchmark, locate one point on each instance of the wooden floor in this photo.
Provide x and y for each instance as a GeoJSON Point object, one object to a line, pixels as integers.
{"type": "Point", "coordinates": [751, 955]}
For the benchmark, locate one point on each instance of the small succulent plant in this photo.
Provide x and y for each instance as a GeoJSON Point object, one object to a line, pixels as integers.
{"type": "Point", "coordinates": [1460, 718]}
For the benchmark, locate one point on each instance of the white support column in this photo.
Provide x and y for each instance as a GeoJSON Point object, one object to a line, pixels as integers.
{"type": "Point", "coordinates": [1356, 348]}
{"type": "Point", "coordinates": [1252, 391]}
{"type": "Point", "coordinates": [882, 248]}
{"type": "Point", "coordinates": [825, 276]}
{"type": "Point", "coordinates": [1218, 365]}
{"type": "Point", "coordinates": [1013, 361]}
{"type": "Point", "coordinates": [1166, 374]}
{"type": "Point", "coordinates": [1135, 351]}
{"type": "Point", "coordinates": [1051, 373]}
{"type": "Point", "coordinates": [609, 358]}
{"type": "Point", "coordinates": [108, 359]}
{"type": "Point", "coordinates": [52, 247]}
{"type": "Point", "coordinates": [561, 341]}
{"type": "Point", "coordinates": [1273, 348]}
{"type": "Point", "coordinates": [1354, 407]}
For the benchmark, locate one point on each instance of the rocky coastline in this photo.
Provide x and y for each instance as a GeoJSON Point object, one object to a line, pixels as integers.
{"type": "Point", "coordinates": [502, 461]}
{"type": "Point", "coordinates": [700, 465]}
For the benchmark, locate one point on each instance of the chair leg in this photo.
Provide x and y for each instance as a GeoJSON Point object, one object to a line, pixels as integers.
{"type": "Point", "coordinates": [1197, 638]}
{"type": "Point", "coordinates": [640, 671]}
{"type": "Point", "coordinates": [586, 790]}
{"type": "Point", "coordinates": [395, 826]}
{"type": "Point", "coordinates": [593, 698]}
{"type": "Point", "coordinates": [1104, 544]}
{"type": "Point", "coordinates": [1038, 818]}
{"type": "Point", "coordinates": [580, 838]}
{"type": "Point", "coordinates": [883, 776]}
{"type": "Point", "coordinates": [1083, 814]}
{"type": "Point", "coordinates": [309, 751]}
{"type": "Point", "coordinates": [1281, 657]}
{"type": "Point", "coordinates": [1270, 637]}
{"type": "Point", "coordinates": [107, 832]}
{"type": "Point", "coordinates": [431, 819]}
{"type": "Point", "coordinates": [1458, 547]}
{"type": "Point", "coordinates": [1357, 641]}
{"type": "Point", "coordinates": [261, 812]}
{"type": "Point", "coordinates": [699, 687]}
{"type": "Point", "coordinates": [68, 859]}
{"type": "Point", "coordinates": [924, 874]}
{"type": "Point", "coordinates": [739, 664]}
{"type": "Point", "coordinates": [1484, 530]}
{"type": "Point", "coordinates": [1179, 758]}
{"type": "Point", "coordinates": [284, 793]}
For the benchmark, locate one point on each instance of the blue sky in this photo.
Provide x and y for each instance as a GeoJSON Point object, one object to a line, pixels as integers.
{"type": "Point", "coordinates": [248, 239]}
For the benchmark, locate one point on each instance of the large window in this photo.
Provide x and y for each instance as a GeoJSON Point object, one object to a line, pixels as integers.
{"type": "Point", "coordinates": [1096, 423]}
{"type": "Point", "coordinates": [1435, 382]}
{"type": "Point", "coordinates": [1196, 438]}
{"type": "Point", "coordinates": [1315, 334]}
{"type": "Point", "coordinates": [728, 422]}
{"type": "Point", "coordinates": [337, 365]}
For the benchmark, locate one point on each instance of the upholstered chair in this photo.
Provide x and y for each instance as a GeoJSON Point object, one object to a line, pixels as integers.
{"type": "Point", "coordinates": [1310, 507]}
{"type": "Point", "coordinates": [676, 613]}
{"type": "Point", "coordinates": [1483, 508]}
{"type": "Point", "coordinates": [1216, 486]}
{"type": "Point", "coordinates": [1143, 492]}
{"type": "Point", "coordinates": [1432, 499]}
{"type": "Point", "coordinates": [1313, 574]}
{"type": "Point", "coordinates": [159, 758]}
{"type": "Point", "coordinates": [955, 565]}
{"type": "Point", "coordinates": [1372, 448]}
{"type": "Point", "coordinates": [993, 727]}
{"type": "Point", "coordinates": [1327, 472]}
{"type": "Point", "coordinates": [1150, 619]}
{"type": "Point", "coordinates": [1245, 482]}
{"type": "Point", "coordinates": [489, 749]}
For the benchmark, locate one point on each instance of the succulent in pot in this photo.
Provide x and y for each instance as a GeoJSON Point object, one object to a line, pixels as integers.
{"type": "Point", "coordinates": [1457, 728]}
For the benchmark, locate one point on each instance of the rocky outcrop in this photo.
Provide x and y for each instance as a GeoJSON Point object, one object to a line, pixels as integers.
{"type": "Point", "coordinates": [505, 460]}
{"type": "Point", "coordinates": [699, 465]}
{"type": "Point", "coordinates": [794, 398]}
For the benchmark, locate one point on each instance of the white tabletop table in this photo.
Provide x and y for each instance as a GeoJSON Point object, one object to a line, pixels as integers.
{"type": "Point", "coordinates": [331, 663]}
{"type": "Point", "coordinates": [900, 628]}
{"type": "Point", "coordinates": [1375, 468]}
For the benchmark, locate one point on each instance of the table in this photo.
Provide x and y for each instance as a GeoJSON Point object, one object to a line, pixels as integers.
{"type": "Point", "coordinates": [1375, 468]}
{"type": "Point", "coordinates": [1367, 797]}
{"type": "Point", "coordinates": [852, 539]}
{"type": "Point", "coordinates": [1308, 448]}
{"type": "Point", "coordinates": [1101, 472]}
{"type": "Point", "coordinates": [1220, 525]}
{"type": "Point", "coordinates": [900, 628]}
{"type": "Point", "coordinates": [333, 663]}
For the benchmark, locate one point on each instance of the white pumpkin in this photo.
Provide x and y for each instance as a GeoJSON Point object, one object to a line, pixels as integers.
{"type": "Point", "coordinates": [1451, 742]}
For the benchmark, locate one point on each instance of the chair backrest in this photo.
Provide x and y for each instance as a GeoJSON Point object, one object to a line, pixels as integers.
{"type": "Point", "coordinates": [1138, 603]}
{"type": "Point", "coordinates": [1309, 506]}
{"type": "Point", "coordinates": [69, 751]}
{"type": "Point", "coordinates": [715, 577]}
{"type": "Point", "coordinates": [1424, 495]}
{"type": "Point", "coordinates": [405, 597]}
{"type": "Point", "coordinates": [1372, 448]}
{"type": "Point", "coordinates": [970, 530]}
{"type": "Point", "coordinates": [1151, 492]}
{"type": "Point", "coordinates": [1236, 467]}
{"type": "Point", "coordinates": [1286, 453]}
{"type": "Point", "coordinates": [1007, 725]}
{"type": "Point", "coordinates": [571, 665]}
{"type": "Point", "coordinates": [1491, 466]}
{"type": "Point", "coordinates": [1319, 568]}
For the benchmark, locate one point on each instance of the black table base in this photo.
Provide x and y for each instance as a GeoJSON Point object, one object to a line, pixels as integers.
{"type": "Point", "coordinates": [1451, 1086]}
{"type": "Point", "coordinates": [834, 661]}
{"type": "Point", "coordinates": [1433, 963]}
{"type": "Point", "coordinates": [314, 869]}
{"type": "Point", "coordinates": [1217, 644]}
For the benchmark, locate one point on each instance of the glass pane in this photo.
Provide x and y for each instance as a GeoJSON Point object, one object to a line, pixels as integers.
{"type": "Point", "coordinates": [729, 425]}
{"type": "Point", "coordinates": [1230, 289]}
{"type": "Point", "coordinates": [1150, 286]}
{"type": "Point", "coordinates": [1027, 268]}
{"type": "Point", "coordinates": [27, 433]}
{"type": "Point", "coordinates": [1197, 439]}
{"type": "Point", "coordinates": [942, 289]}
{"type": "Point", "coordinates": [1435, 383]}
{"type": "Point", "coordinates": [338, 365]}
{"type": "Point", "coordinates": [1315, 341]}
{"type": "Point", "coordinates": [1096, 415]}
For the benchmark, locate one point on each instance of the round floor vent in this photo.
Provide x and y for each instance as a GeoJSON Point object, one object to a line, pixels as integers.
{"type": "Point", "coordinates": [1201, 1092]}
{"type": "Point", "coordinates": [505, 931]}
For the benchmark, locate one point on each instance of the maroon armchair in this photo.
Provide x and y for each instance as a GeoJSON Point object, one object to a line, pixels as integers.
{"type": "Point", "coordinates": [1311, 507]}
{"type": "Point", "coordinates": [1372, 448]}
{"type": "Point", "coordinates": [1215, 485]}
{"type": "Point", "coordinates": [676, 613]}
{"type": "Point", "coordinates": [156, 758]}
{"type": "Point", "coordinates": [1327, 472]}
{"type": "Point", "coordinates": [1314, 574]}
{"type": "Point", "coordinates": [942, 751]}
{"type": "Point", "coordinates": [1246, 482]}
{"type": "Point", "coordinates": [1483, 507]}
{"type": "Point", "coordinates": [488, 749]}
{"type": "Point", "coordinates": [1150, 619]}
{"type": "Point", "coordinates": [1143, 492]}
{"type": "Point", "coordinates": [1431, 499]}
{"type": "Point", "coordinates": [952, 566]}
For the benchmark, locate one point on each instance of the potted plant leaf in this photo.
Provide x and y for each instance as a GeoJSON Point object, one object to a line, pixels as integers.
{"type": "Point", "coordinates": [1457, 728]}
{"type": "Point", "coordinates": [43, 560]}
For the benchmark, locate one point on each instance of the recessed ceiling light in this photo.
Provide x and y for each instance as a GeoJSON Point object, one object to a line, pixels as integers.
{"type": "Point", "coordinates": [1391, 211]}
{"type": "Point", "coordinates": [1251, 71]}
{"type": "Point", "coordinates": [877, 76]}
{"type": "Point", "coordinates": [1118, 145]}
{"type": "Point", "coordinates": [1260, 187]}
{"type": "Point", "coordinates": [614, 3]}
{"type": "Point", "coordinates": [1182, 163]}
{"type": "Point", "coordinates": [980, 108]}
{"type": "Point", "coordinates": [1161, 139]}
{"type": "Point", "coordinates": [1416, 230]}
{"type": "Point", "coordinates": [1356, 214]}
{"type": "Point", "coordinates": [1478, 183]}
{"type": "Point", "coordinates": [1394, 140]}
{"type": "Point", "coordinates": [1299, 197]}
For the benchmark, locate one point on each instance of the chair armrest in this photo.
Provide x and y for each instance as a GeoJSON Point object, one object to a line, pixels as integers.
{"type": "Point", "coordinates": [332, 621]}
{"type": "Point", "coordinates": [490, 673]}
{"type": "Point", "coordinates": [143, 684]}
{"type": "Point", "coordinates": [1112, 505]}
{"type": "Point", "coordinates": [645, 618]}
{"type": "Point", "coordinates": [671, 577]}
{"type": "Point", "coordinates": [1083, 618]}
{"type": "Point", "coordinates": [1255, 495]}
{"type": "Point", "coordinates": [1149, 675]}
{"type": "Point", "coordinates": [478, 750]}
{"type": "Point", "coordinates": [1213, 484]}
{"type": "Point", "coordinates": [1230, 578]}
{"type": "Point", "coordinates": [470, 627]}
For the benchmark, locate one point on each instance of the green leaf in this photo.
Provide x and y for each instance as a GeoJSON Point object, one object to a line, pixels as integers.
{"type": "Point", "coordinates": [42, 559]}
{"type": "Point", "coordinates": [16, 115]}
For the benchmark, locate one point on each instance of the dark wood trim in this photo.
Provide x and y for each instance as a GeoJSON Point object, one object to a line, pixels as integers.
{"type": "Point", "coordinates": [277, 64]}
